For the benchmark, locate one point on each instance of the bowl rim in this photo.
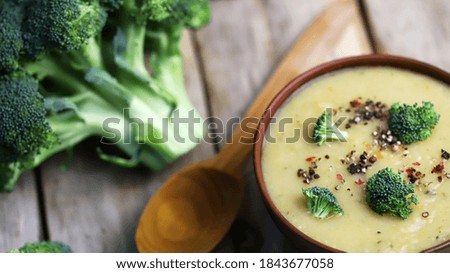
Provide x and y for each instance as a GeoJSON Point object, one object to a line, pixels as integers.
{"type": "Point", "coordinates": [304, 78]}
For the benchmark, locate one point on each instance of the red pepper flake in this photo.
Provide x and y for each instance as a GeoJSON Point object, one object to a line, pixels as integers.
{"type": "Point", "coordinates": [416, 163]}
{"type": "Point", "coordinates": [339, 177]}
{"type": "Point", "coordinates": [410, 170]}
{"type": "Point", "coordinates": [311, 158]}
{"type": "Point", "coordinates": [438, 168]}
{"type": "Point", "coordinates": [440, 179]}
{"type": "Point", "coordinates": [355, 103]}
{"type": "Point", "coordinates": [359, 182]}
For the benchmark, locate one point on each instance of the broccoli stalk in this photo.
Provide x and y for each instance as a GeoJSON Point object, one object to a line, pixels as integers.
{"type": "Point", "coordinates": [325, 130]}
{"type": "Point", "coordinates": [157, 26]}
{"type": "Point", "coordinates": [412, 123]}
{"type": "Point", "coordinates": [321, 202]}
{"type": "Point", "coordinates": [43, 247]}
{"type": "Point", "coordinates": [75, 68]}
{"type": "Point", "coordinates": [387, 193]}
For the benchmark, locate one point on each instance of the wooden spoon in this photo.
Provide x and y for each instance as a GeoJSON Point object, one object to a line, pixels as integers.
{"type": "Point", "coordinates": [195, 208]}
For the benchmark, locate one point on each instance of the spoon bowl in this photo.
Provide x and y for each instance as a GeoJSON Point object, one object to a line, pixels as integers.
{"type": "Point", "coordinates": [192, 210]}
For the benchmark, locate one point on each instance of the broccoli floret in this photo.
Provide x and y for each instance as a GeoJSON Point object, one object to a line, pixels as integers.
{"type": "Point", "coordinates": [11, 43]}
{"type": "Point", "coordinates": [412, 123]}
{"type": "Point", "coordinates": [62, 24]}
{"type": "Point", "coordinates": [43, 247]}
{"type": "Point", "coordinates": [65, 76]}
{"type": "Point", "coordinates": [321, 202]}
{"type": "Point", "coordinates": [28, 132]}
{"type": "Point", "coordinates": [324, 130]}
{"type": "Point", "coordinates": [387, 193]}
{"type": "Point", "coordinates": [24, 129]}
{"type": "Point", "coordinates": [191, 13]}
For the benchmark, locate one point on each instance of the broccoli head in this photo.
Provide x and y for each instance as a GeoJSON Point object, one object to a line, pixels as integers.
{"type": "Point", "coordinates": [43, 247]}
{"type": "Point", "coordinates": [24, 129]}
{"type": "Point", "coordinates": [324, 129]}
{"type": "Point", "coordinates": [412, 123]}
{"type": "Point", "coordinates": [387, 193]}
{"type": "Point", "coordinates": [11, 42]}
{"type": "Point", "coordinates": [61, 24]}
{"type": "Point", "coordinates": [321, 202]}
{"type": "Point", "coordinates": [190, 13]}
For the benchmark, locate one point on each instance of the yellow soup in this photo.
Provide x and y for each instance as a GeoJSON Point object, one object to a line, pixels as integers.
{"type": "Point", "coordinates": [360, 229]}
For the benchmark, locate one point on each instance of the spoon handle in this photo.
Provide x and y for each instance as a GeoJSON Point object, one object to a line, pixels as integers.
{"type": "Point", "coordinates": [315, 46]}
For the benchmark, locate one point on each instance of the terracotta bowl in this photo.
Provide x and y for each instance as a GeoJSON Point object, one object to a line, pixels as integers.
{"type": "Point", "coordinates": [300, 239]}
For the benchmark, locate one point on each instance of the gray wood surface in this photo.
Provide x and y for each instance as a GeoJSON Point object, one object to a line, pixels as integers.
{"type": "Point", "coordinates": [19, 214]}
{"type": "Point", "coordinates": [413, 28]}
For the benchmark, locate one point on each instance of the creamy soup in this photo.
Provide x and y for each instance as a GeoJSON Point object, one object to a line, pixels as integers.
{"type": "Point", "coordinates": [360, 229]}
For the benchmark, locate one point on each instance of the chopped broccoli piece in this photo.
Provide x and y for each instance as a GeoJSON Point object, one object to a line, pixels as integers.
{"type": "Point", "coordinates": [412, 123]}
{"type": "Point", "coordinates": [43, 247]}
{"type": "Point", "coordinates": [321, 202]}
{"type": "Point", "coordinates": [324, 129]}
{"type": "Point", "coordinates": [387, 193]}
{"type": "Point", "coordinates": [73, 69]}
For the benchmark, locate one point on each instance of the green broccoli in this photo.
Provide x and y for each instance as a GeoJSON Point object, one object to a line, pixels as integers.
{"type": "Point", "coordinates": [62, 24]}
{"type": "Point", "coordinates": [324, 130]}
{"type": "Point", "coordinates": [11, 42]}
{"type": "Point", "coordinates": [43, 247]}
{"type": "Point", "coordinates": [412, 123]}
{"type": "Point", "coordinates": [190, 13]}
{"type": "Point", "coordinates": [321, 202]}
{"type": "Point", "coordinates": [387, 193]}
{"type": "Point", "coordinates": [72, 69]}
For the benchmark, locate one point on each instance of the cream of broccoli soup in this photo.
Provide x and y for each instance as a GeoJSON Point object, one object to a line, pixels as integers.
{"type": "Point", "coordinates": [359, 101]}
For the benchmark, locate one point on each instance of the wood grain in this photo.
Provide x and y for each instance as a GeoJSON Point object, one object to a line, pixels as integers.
{"type": "Point", "coordinates": [413, 28]}
{"type": "Point", "coordinates": [95, 206]}
{"type": "Point", "coordinates": [237, 55]}
{"type": "Point", "coordinates": [19, 214]}
{"type": "Point", "coordinates": [288, 19]}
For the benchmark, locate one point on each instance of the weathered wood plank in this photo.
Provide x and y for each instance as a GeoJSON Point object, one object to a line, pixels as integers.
{"type": "Point", "coordinates": [19, 214]}
{"type": "Point", "coordinates": [238, 58]}
{"type": "Point", "coordinates": [412, 28]}
{"type": "Point", "coordinates": [95, 207]}
{"type": "Point", "coordinates": [288, 19]}
{"type": "Point", "coordinates": [237, 55]}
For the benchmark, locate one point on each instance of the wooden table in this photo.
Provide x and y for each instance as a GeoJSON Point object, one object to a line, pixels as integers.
{"type": "Point", "coordinates": [95, 207]}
